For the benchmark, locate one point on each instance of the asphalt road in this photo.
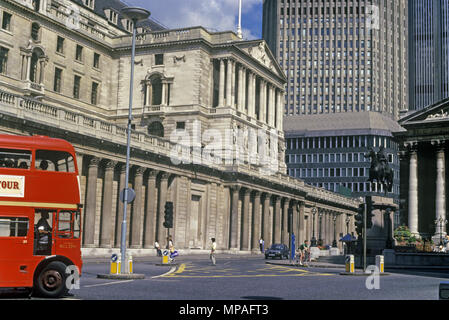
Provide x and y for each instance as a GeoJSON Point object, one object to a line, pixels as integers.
{"type": "Point", "coordinates": [245, 278]}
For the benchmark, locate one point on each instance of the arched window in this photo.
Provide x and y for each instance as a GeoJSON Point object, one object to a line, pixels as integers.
{"type": "Point", "coordinates": [157, 91]}
{"type": "Point", "coordinates": [156, 129]}
{"type": "Point", "coordinates": [37, 65]}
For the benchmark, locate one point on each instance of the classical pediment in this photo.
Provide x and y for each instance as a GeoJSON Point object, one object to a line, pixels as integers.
{"type": "Point", "coordinates": [260, 52]}
{"type": "Point", "coordinates": [438, 112]}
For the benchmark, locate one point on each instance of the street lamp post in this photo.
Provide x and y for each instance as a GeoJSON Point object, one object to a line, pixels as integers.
{"type": "Point", "coordinates": [135, 15]}
{"type": "Point", "coordinates": [313, 241]}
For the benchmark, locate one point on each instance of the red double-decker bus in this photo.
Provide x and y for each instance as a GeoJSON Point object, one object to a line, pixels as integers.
{"type": "Point", "coordinates": [40, 215]}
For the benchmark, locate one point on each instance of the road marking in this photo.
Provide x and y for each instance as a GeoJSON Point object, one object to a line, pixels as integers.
{"type": "Point", "coordinates": [165, 274]}
{"type": "Point", "coordinates": [107, 283]}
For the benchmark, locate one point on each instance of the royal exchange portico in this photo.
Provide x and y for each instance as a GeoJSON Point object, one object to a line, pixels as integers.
{"type": "Point", "coordinates": [424, 174]}
{"type": "Point", "coordinates": [193, 87]}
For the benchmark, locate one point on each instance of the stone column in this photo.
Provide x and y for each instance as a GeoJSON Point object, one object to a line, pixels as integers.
{"type": "Point", "coordinates": [280, 111]}
{"type": "Point", "coordinates": [136, 221]}
{"type": "Point", "coordinates": [240, 89]}
{"type": "Point", "coordinates": [91, 203]}
{"type": "Point", "coordinates": [221, 85]}
{"type": "Point", "coordinates": [118, 226]}
{"type": "Point", "coordinates": [285, 234]}
{"type": "Point", "coordinates": [228, 83]}
{"type": "Point", "coordinates": [262, 101]}
{"type": "Point", "coordinates": [413, 192]}
{"type": "Point", "coordinates": [245, 221]}
{"type": "Point", "coordinates": [235, 191]}
{"type": "Point", "coordinates": [302, 228]}
{"type": "Point", "coordinates": [106, 237]}
{"type": "Point", "coordinates": [295, 223]}
{"type": "Point", "coordinates": [233, 86]}
{"type": "Point", "coordinates": [250, 93]}
{"type": "Point", "coordinates": [267, 221]}
{"type": "Point", "coordinates": [256, 232]}
{"type": "Point", "coordinates": [148, 93]}
{"type": "Point", "coordinates": [28, 68]}
{"type": "Point", "coordinates": [244, 90]}
{"type": "Point", "coordinates": [151, 208]}
{"type": "Point", "coordinates": [440, 196]}
{"type": "Point", "coordinates": [277, 220]}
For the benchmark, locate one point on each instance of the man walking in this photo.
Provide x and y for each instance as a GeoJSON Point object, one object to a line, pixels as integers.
{"type": "Point", "coordinates": [213, 248]}
{"type": "Point", "coordinates": [261, 245]}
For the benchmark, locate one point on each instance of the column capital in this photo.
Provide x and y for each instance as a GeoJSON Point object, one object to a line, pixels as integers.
{"type": "Point", "coordinates": [257, 193]}
{"type": "Point", "coordinates": [235, 188]}
{"type": "Point", "coordinates": [153, 173]}
{"type": "Point", "coordinates": [139, 170]}
{"type": "Point", "coordinates": [412, 146]}
{"type": "Point", "coordinates": [439, 144]}
{"type": "Point", "coordinates": [94, 162]}
{"type": "Point", "coordinates": [165, 176]}
{"type": "Point", "coordinates": [110, 164]}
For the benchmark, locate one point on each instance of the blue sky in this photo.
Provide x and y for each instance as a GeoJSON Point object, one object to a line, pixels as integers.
{"type": "Point", "coordinates": [216, 15]}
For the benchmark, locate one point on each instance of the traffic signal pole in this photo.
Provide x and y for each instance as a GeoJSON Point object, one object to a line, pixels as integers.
{"type": "Point", "coordinates": [364, 234]}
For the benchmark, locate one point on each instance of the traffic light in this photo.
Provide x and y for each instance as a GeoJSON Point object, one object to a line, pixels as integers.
{"type": "Point", "coordinates": [168, 217]}
{"type": "Point", "coordinates": [369, 212]}
{"type": "Point", "coordinates": [359, 219]}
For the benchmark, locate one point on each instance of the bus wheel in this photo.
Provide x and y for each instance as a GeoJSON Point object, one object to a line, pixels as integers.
{"type": "Point", "coordinates": [51, 282]}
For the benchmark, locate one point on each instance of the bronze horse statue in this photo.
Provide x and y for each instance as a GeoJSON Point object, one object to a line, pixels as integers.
{"type": "Point", "coordinates": [380, 170]}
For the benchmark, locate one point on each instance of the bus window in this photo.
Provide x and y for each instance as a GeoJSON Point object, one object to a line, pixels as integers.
{"type": "Point", "coordinates": [77, 225]}
{"type": "Point", "coordinates": [13, 227]}
{"type": "Point", "coordinates": [64, 224]}
{"type": "Point", "coordinates": [15, 159]}
{"type": "Point", "coordinates": [51, 160]}
{"type": "Point", "coordinates": [42, 230]}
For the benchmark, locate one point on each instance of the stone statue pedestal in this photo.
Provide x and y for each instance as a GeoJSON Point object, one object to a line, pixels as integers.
{"type": "Point", "coordinates": [380, 236]}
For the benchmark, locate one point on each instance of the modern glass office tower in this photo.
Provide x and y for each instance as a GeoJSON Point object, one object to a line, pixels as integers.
{"type": "Point", "coordinates": [340, 55]}
{"type": "Point", "coordinates": [429, 52]}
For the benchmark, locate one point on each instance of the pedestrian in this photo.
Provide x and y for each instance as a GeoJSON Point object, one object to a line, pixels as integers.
{"type": "Point", "coordinates": [158, 248]}
{"type": "Point", "coordinates": [213, 248]}
{"type": "Point", "coordinates": [261, 245]}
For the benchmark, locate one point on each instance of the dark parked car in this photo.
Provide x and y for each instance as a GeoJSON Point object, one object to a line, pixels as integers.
{"type": "Point", "coordinates": [277, 251]}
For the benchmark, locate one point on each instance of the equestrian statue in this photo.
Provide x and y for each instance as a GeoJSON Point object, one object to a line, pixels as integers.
{"type": "Point", "coordinates": [380, 171]}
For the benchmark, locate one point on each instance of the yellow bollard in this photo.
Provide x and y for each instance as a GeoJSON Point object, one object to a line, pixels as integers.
{"type": "Point", "coordinates": [130, 264]}
{"type": "Point", "coordinates": [349, 263]}
{"type": "Point", "coordinates": [115, 264]}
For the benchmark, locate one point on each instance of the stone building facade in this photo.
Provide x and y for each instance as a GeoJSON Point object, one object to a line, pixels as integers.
{"type": "Point", "coordinates": [207, 126]}
{"type": "Point", "coordinates": [424, 159]}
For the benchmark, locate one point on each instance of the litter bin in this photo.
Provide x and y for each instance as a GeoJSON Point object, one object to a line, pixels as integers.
{"type": "Point", "coordinates": [380, 263]}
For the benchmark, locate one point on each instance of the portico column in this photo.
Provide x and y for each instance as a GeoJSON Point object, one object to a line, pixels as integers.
{"type": "Point", "coordinates": [91, 203]}
{"type": "Point", "coordinates": [245, 220]}
{"type": "Point", "coordinates": [118, 229]}
{"type": "Point", "coordinates": [233, 85]}
{"type": "Point", "coordinates": [277, 220]}
{"type": "Point", "coordinates": [440, 196]}
{"type": "Point", "coordinates": [228, 83]}
{"type": "Point", "coordinates": [136, 221]}
{"type": "Point", "coordinates": [285, 233]}
{"type": "Point", "coordinates": [244, 91]}
{"type": "Point", "coordinates": [280, 112]}
{"type": "Point", "coordinates": [301, 229]}
{"type": "Point", "coordinates": [221, 84]}
{"type": "Point", "coordinates": [261, 100]}
{"type": "Point", "coordinates": [106, 214]}
{"type": "Point", "coordinates": [256, 232]}
{"type": "Point", "coordinates": [151, 207]}
{"type": "Point", "coordinates": [250, 93]}
{"type": "Point", "coordinates": [267, 221]}
{"type": "Point", "coordinates": [235, 190]}
{"type": "Point", "coordinates": [240, 88]}
{"type": "Point", "coordinates": [413, 191]}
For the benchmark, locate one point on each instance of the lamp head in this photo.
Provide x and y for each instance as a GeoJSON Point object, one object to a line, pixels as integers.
{"type": "Point", "coordinates": [135, 14]}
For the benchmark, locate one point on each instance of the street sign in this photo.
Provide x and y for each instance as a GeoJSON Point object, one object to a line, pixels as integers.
{"type": "Point", "coordinates": [131, 195]}
{"type": "Point", "coordinates": [114, 257]}
{"type": "Point", "coordinates": [165, 252]}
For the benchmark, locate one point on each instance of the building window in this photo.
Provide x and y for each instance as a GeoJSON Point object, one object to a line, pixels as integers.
{"type": "Point", "coordinates": [79, 53]}
{"type": "Point", "coordinates": [159, 59]}
{"type": "Point", "coordinates": [94, 93]}
{"type": "Point", "coordinates": [6, 21]}
{"type": "Point", "coordinates": [181, 125]}
{"type": "Point", "coordinates": [3, 60]}
{"type": "Point", "coordinates": [112, 16]}
{"type": "Point", "coordinates": [57, 81]}
{"type": "Point", "coordinates": [60, 45]}
{"type": "Point", "coordinates": [36, 5]}
{"type": "Point", "coordinates": [96, 61]}
{"type": "Point", "coordinates": [156, 129]}
{"type": "Point", "coordinates": [76, 87]}
{"type": "Point", "coordinates": [89, 3]}
{"type": "Point", "coordinates": [35, 30]}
